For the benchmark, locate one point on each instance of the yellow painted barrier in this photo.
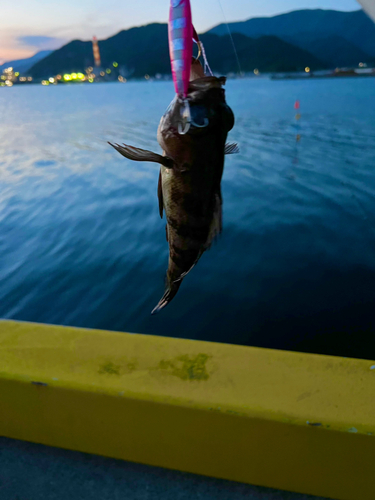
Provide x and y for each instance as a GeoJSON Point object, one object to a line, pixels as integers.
{"type": "Point", "coordinates": [293, 421]}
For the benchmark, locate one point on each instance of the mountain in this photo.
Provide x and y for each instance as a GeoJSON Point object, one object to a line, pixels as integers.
{"type": "Point", "coordinates": [267, 53]}
{"type": "Point", "coordinates": [287, 42]}
{"type": "Point", "coordinates": [334, 50]}
{"type": "Point", "coordinates": [145, 50]}
{"type": "Point", "coordinates": [309, 28]}
{"type": "Point", "coordinates": [142, 50]}
{"type": "Point", "coordinates": [23, 65]}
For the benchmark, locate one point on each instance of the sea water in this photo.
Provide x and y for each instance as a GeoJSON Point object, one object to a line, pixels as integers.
{"type": "Point", "coordinates": [82, 242]}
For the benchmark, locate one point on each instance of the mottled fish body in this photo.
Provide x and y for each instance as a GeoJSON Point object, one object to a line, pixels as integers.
{"type": "Point", "coordinates": [190, 192]}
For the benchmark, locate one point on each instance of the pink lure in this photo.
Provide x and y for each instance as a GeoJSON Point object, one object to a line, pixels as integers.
{"type": "Point", "coordinates": [180, 34]}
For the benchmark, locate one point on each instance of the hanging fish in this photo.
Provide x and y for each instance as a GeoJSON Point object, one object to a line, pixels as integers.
{"type": "Point", "coordinates": [192, 134]}
{"type": "Point", "coordinates": [189, 187]}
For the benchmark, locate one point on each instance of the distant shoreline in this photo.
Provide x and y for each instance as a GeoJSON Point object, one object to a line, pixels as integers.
{"type": "Point", "coordinates": [315, 77]}
{"type": "Point", "coordinates": [274, 77]}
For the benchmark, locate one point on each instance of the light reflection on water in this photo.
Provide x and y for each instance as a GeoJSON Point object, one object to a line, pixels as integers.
{"type": "Point", "coordinates": [82, 242]}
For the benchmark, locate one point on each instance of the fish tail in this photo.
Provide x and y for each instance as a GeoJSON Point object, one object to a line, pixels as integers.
{"type": "Point", "coordinates": [170, 292]}
{"type": "Point", "coordinates": [181, 262]}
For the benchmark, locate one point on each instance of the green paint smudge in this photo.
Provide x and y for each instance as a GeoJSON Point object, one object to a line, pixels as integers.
{"type": "Point", "coordinates": [187, 367]}
{"type": "Point", "coordinates": [110, 369]}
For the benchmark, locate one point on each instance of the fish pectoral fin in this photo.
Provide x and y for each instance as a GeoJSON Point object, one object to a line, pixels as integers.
{"type": "Point", "coordinates": [138, 154]}
{"type": "Point", "coordinates": [231, 148]}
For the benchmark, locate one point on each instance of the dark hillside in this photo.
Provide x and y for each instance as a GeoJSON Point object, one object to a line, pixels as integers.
{"type": "Point", "coordinates": [145, 50]}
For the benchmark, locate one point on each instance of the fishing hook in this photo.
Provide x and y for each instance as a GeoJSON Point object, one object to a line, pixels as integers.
{"type": "Point", "coordinates": [185, 117]}
{"type": "Point", "coordinates": [187, 121]}
{"type": "Point", "coordinates": [199, 50]}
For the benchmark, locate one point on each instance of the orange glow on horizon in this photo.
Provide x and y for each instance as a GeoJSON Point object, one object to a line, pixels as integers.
{"type": "Point", "coordinates": [10, 54]}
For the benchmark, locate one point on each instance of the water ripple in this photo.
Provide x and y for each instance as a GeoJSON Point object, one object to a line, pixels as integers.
{"type": "Point", "coordinates": [82, 243]}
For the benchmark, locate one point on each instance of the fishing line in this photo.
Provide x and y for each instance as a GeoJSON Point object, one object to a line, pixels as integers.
{"type": "Point", "coordinates": [231, 38]}
{"type": "Point", "coordinates": [203, 52]}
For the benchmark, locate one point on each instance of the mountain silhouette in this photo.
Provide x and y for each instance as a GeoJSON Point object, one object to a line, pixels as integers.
{"type": "Point", "coordinates": [23, 65]}
{"type": "Point", "coordinates": [287, 42]}
{"type": "Point", "coordinates": [338, 38]}
{"type": "Point", "coordinates": [144, 50]}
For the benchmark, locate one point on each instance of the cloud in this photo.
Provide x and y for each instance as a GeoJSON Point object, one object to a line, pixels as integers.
{"type": "Point", "coordinates": [42, 42]}
{"type": "Point", "coordinates": [85, 31]}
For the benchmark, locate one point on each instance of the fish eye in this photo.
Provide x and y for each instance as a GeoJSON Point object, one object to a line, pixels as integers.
{"type": "Point", "coordinates": [199, 116]}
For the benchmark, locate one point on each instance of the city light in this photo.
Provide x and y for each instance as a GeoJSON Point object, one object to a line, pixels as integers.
{"type": "Point", "coordinates": [102, 73]}
{"type": "Point", "coordinates": [115, 64]}
{"type": "Point", "coordinates": [307, 69]}
{"type": "Point", "coordinates": [256, 71]}
{"type": "Point", "coordinates": [121, 79]}
{"type": "Point", "coordinates": [91, 80]}
{"type": "Point", "coordinates": [74, 76]}
{"type": "Point", "coordinates": [147, 77]}
{"type": "Point", "coordinates": [10, 77]}
{"type": "Point", "coordinates": [52, 80]}
{"type": "Point", "coordinates": [108, 71]}
{"type": "Point", "coordinates": [29, 79]}
{"type": "Point", "coordinates": [45, 82]}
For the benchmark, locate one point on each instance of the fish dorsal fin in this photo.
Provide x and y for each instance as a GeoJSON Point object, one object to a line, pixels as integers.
{"type": "Point", "coordinates": [138, 154]}
{"type": "Point", "coordinates": [231, 148]}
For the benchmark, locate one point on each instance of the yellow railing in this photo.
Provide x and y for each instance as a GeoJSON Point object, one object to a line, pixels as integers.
{"type": "Point", "coordinates": [287, 420]}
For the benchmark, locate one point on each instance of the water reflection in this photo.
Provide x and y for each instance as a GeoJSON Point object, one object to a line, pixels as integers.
{"type": "Point", "coordinates": [82, 242]}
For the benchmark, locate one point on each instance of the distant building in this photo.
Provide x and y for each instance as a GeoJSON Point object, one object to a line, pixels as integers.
{"type": "Point", "coordinates": [96, 52]}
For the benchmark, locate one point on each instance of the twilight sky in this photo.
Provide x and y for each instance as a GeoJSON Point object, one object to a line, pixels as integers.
{"type": "Point", "coordinates": [27, 27]}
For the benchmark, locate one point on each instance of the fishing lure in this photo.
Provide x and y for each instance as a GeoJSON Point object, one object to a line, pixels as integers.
{"type": "Point", "coordinates": [181, 34]}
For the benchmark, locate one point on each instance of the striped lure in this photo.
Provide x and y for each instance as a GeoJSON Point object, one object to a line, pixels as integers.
{"type": "Point", "coordinates": [180, 34]}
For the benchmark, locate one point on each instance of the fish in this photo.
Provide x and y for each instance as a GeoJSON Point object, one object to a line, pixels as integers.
{"type": "Point", "coordinates": [191, 169]}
